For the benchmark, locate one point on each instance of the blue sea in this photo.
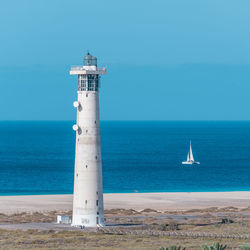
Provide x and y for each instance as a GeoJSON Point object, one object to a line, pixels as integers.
{"type": "Point", "coordinates": [38, 157]}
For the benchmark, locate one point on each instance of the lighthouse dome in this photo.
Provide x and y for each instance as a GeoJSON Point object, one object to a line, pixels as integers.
{"type": "Point", "coordinates": [90, 60]}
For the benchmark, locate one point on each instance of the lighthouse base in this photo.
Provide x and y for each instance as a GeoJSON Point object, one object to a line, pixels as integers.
{"type": "Point", "coordinates": [88, 221]}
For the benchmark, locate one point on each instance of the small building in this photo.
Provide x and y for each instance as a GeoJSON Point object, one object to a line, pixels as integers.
{"type": "Point", "coordinates": [63, 219]}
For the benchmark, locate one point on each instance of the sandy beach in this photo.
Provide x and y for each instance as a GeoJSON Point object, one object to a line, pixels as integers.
{"type": "Point", "coordinates": [137, 201]}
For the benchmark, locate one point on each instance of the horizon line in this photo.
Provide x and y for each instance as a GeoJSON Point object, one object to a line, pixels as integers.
{"type": "Point", "coordinates": [212, 120]}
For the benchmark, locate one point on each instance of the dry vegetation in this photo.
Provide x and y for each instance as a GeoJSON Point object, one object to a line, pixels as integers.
{"type": "Point", "coordinates": [138, 228]}
{"type": "Point", "coordinates": [31, 217]}
{"type": "Point", "coordinates": [80, 240]}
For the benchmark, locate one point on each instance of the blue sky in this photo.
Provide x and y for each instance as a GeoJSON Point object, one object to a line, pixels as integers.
{"type": "Point", "coordinates": [166, 60]}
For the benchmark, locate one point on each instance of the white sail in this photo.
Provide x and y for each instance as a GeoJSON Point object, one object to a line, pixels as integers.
{"type": "Point", "coordinates": [190, 158]}
{"type": "Point", "coordinates": [191, 153]}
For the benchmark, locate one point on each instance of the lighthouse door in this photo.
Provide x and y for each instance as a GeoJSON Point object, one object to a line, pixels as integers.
{"type": "Point", "coordinates": [97, 220]}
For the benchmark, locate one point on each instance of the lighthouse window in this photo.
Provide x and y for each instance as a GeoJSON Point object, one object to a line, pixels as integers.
{"type": "Point", "coordinates": [88, 83]}
{"type": "Point", "coordinates": [86, 166]}
{"type": "Point", "coordinates": [86, 202]}
{"type": "Point", "coordinates": [96, 202]}
{"type": "Point", "coordinates": [96, 157]}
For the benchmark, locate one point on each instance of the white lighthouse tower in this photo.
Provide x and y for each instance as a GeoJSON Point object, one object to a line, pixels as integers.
{"type": "Point", "coordinates": [88, 190]}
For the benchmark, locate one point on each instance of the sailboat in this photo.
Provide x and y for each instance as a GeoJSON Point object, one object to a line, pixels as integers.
{"type": "Point", "coordinates": [190, 158]}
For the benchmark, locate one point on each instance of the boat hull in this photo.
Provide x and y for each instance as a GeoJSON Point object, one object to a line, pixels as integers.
{"type": "Point", "coordinates": [190, 163]}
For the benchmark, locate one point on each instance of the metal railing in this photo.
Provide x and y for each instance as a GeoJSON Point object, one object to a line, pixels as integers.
{"type": "Point", "coordinates": [76, 68]}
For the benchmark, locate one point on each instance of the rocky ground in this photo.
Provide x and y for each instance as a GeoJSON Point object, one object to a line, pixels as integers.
{"type": "Point", "coordinates": [129, 229]}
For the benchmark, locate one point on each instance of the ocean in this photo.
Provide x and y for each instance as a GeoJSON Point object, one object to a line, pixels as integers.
{"type": "Point", "coordinates": [38, 157]}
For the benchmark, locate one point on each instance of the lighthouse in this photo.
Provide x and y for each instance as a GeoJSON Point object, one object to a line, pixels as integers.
{"type": "Point", "coordinates": [88, 208]}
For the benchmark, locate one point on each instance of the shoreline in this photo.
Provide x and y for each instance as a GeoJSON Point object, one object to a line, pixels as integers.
{"type": "Point", "coordinates": [160, 201]}
{"type": "Point", "coordinates": [139, 192]}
